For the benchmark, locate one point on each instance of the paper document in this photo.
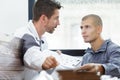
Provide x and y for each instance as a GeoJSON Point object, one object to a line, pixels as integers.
{"type": "Point", "coordinates": [66, 61]}
{"type": "Point", "coordinates": [69, 61]}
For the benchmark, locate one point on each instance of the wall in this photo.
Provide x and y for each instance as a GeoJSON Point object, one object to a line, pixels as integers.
{"type": "Point", "coordinates": [13, 14]}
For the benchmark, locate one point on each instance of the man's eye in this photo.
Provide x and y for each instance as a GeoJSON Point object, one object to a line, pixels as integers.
{"type": "Point", "coordinates": [87, 26]}
{"type": "Point", "coordinates": [81, 27]}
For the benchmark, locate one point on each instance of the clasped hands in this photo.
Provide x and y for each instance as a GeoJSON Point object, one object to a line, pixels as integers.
{"type": "Point", "coordinates": [91, 67]}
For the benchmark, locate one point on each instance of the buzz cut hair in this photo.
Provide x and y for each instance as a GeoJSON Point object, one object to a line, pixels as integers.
{"type": "Point", "coordinates": [96, 19]}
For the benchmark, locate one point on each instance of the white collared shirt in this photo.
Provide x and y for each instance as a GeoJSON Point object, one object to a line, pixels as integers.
{"type": "Point", "coordinates": [32, 49]}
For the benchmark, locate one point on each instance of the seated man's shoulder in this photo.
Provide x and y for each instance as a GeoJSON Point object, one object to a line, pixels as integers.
{"type": "Point", "coordinates": [113, 46]}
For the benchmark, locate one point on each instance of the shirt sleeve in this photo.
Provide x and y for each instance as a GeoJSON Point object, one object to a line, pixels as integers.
{"type": "Point", "coordinates": [32, 56]}
{"type": "Point", "coordinates": [112, 67]}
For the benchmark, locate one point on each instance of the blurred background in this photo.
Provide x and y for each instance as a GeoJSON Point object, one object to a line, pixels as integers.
{"type": "Point", "coordinates": [16, 13]}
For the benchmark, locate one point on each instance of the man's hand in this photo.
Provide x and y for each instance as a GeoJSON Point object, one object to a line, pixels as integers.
{"type": "Point", "coordinates": [50, 62]}
{"type": "Point", "coordinates": [91, 67]}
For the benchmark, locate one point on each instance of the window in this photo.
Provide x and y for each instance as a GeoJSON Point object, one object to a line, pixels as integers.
{"type": "Point", "coordinates": [68, 33]}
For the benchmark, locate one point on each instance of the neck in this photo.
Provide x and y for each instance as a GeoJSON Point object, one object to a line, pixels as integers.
{"type": "Point", "coordinates": [39, 28]}
{"type": "Point", "coordinates": [97, 44]}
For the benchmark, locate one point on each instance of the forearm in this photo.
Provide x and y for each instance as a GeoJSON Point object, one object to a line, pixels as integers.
{"type": "Point", "coordinates": [34, 59]}
{"type": "Point", "coordinates": [111, 69]}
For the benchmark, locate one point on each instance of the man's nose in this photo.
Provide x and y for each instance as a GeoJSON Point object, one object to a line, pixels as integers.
{"type": "Point", "coordinates": [58, 22]}
{"type": "Point", "coordinates": [83, 31]}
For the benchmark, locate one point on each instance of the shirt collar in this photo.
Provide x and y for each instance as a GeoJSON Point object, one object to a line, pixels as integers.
{"type": "Point", "coordinates": [102, 49]}
{"type": "Point", "coordinates": [32, 29]}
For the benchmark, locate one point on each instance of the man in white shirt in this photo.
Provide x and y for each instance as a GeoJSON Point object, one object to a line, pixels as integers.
{"type": "Point", "coordinates": [45, 19]}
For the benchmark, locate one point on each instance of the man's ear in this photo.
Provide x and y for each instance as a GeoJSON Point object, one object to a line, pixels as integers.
{"type": "Point", "coordinates": [43, 19]}
{"type": "Point", "coordinates": [99, 29]}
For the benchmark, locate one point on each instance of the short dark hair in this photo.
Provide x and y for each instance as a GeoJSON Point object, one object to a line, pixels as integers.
{"type": "Point", "coordinates": [45, 7]}
{"type": "Point", "coordinates": [97, 20]}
